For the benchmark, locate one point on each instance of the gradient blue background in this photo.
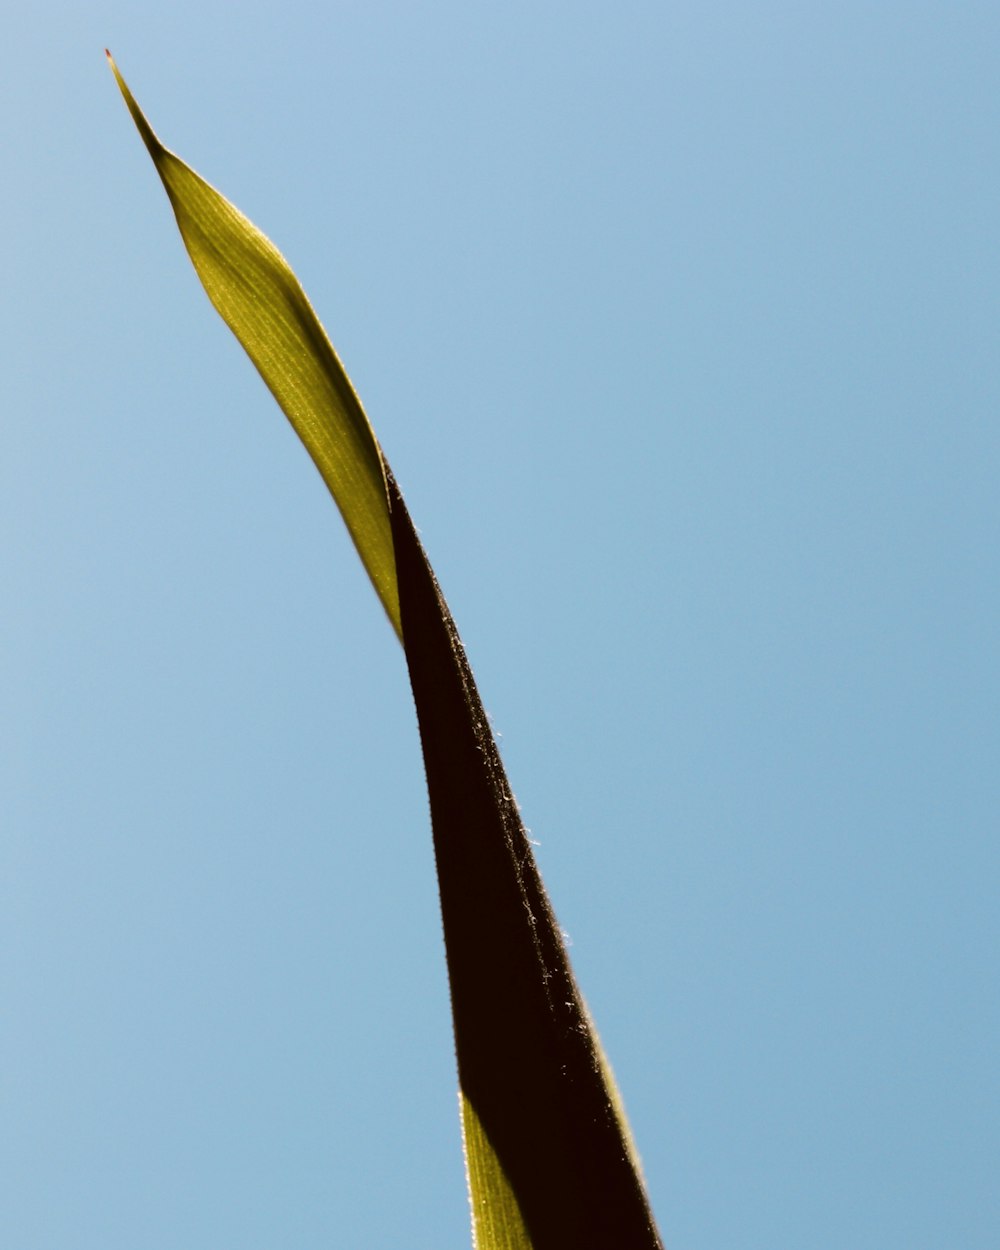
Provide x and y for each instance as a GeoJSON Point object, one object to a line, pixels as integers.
{"type": "Point", "coordinates": [679, 325]}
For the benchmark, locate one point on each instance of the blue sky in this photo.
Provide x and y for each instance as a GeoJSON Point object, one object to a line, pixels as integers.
{"type": "Point", "coordinates": [678, 324]}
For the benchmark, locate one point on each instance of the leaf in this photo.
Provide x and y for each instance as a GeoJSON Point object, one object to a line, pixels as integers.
{"type": "Point", "coordinates": [255, 292]}
{"type": "Point", "coordinates": [549, 1157]}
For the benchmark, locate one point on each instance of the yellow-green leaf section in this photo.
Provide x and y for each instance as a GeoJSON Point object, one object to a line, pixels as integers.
{"type": "Point", "coordinates": [497, 1222]}
{"type": "Point", "coordinates": [259, 297]}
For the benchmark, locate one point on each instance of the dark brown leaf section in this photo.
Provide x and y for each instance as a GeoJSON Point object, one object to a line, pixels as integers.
{"type": "Point", "coordinates": [526, 1058]}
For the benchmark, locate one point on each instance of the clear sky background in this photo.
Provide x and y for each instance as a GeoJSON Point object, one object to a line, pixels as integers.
{"type": "Point", "coordinates": [678, 323]}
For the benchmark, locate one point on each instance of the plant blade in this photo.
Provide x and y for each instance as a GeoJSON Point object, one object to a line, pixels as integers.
{"type": "Point", "coordinates": [258, 296]}
{"type": "Point", "coordinates": [548, 1153]}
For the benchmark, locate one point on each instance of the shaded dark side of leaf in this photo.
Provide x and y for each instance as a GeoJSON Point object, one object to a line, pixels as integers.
{"type": "Point", "coordinates": [526, 1057]}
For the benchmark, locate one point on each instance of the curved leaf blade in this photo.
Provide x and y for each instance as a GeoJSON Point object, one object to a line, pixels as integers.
{"type": "Point", "coordinates": [548, 1153]}
{"type": "Point", "coordinates": [259, 297]}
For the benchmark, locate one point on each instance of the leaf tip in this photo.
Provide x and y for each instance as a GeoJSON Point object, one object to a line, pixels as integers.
{"type": "Point", "coordinates": [155, 147]}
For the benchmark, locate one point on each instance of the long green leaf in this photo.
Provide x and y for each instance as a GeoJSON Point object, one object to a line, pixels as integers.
{"type": "Point", "coordinates": [255, 292]}
{"type": "Point", "coordinates": [549, 1158]}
